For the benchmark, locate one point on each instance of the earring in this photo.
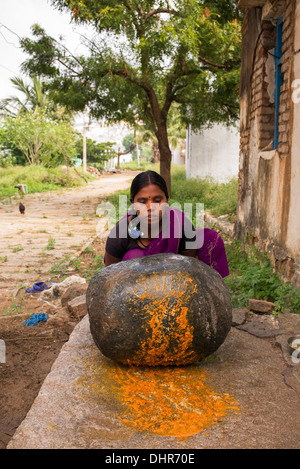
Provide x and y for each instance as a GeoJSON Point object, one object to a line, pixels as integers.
{"type": "Point", "coordinates": [133, 230]}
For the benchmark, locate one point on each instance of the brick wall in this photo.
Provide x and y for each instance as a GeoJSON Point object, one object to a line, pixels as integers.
{"type": "Point", "coordinates": [263, 211]}
{"type": "Point", "coordinates": [285, 98]}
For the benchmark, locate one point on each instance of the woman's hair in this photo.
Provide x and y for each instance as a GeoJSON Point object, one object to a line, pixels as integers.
{"type": "Point", "coordinates": [145, 179]}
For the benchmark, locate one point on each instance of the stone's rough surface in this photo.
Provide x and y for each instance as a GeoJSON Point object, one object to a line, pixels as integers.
{"type": "Point", "coordinates": [72, 292]}
{"type": "Point", "coordinates": [56, 292]}
{"type": "Point", "coordinates": [261, 306]}
{"type": "Point", "coordinates": [77, 307]}
{"type": "Point", "coordinates": [165, 309]}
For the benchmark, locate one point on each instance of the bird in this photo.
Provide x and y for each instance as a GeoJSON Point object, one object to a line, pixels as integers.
{"type": "Point", "coordinates": [22, 208]}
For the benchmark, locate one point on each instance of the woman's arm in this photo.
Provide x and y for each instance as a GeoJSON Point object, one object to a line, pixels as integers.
{"type": "Point", "coordinates": [109, 259]}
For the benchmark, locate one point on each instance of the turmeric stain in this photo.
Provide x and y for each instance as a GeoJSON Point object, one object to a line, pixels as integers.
{"type": "Point", "coordinates": [173, 401]}
{"type": "Point", "coordinates": [169, 334]}
{"type": "Point", "coordinates": [180, 408]}
{"type": "Point", "coordinates": [147, 394]}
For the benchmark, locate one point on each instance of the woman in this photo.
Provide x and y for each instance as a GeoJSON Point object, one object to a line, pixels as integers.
{"type": "Point", "coordinates": [152, 227]}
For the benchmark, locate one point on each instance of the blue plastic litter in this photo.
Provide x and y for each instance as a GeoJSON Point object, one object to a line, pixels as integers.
{"type": "Point", "coordinates": [36, 318]}
{"type": "Point", "coordinates": [39, 286]}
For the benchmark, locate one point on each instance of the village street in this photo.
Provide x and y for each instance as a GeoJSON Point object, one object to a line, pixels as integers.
{"type": "Point", "coordinates": [55, 224]}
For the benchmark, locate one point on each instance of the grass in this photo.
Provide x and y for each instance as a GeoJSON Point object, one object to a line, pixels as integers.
{"type": "Point", "coordinates": [144, 166]}
{"type": "Point", "coordinates": [86, 266]}
{"type": "Point", "coordinates": [218, 199]}
{"type": "Point", "coordinates": [16, 307]}
{"type": "Point", "coordinates": [252, 276]}
{"type": "Point", "coordinates": [38, 179]}
{"type": "Point", "coordinates": [51, 244]}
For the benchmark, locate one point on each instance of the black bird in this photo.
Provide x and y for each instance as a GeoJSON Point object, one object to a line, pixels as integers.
{"type": "Point", "coordinates": [22, 208]}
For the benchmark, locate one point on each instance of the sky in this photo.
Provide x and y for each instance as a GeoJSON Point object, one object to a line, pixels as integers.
{"type": "Point", "coordinates": [16, 19]}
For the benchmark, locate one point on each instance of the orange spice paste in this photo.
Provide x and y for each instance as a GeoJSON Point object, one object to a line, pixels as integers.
{"type": "Point", "coordinates": [163, 304]}
{"type": "Point", "coordinates": [164, 401]}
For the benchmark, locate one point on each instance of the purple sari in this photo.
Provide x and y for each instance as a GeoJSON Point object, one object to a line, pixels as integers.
{"type": "Point", "coordinates": [210, 246]}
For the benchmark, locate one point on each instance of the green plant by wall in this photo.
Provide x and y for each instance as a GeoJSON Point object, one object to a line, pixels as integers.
{"type": "Point", "coordinates": [252, 276]}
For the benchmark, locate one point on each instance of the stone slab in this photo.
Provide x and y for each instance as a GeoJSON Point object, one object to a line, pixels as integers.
{"type": "Point", "coordinates": [82, 402]}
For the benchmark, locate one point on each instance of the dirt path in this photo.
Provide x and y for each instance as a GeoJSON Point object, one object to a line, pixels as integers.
{"type": "Point", "coordinates": [55, 224]}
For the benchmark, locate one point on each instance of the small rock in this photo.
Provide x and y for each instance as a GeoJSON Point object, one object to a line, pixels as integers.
{"type": "Point", "coordinates": [74, 291]}
{"type": "Point", "coordinates": [261, 306]}
{"type": "Point", "coordinates": [60, 318]}
{"type": "Point", "coordinates": [239, 316]}
{"type": "Point", "coordinates": [58, 289]}
{"type": "Point", "coordinates": [261, 326]}
{"type": "Point", "coordinates": [77, 307]}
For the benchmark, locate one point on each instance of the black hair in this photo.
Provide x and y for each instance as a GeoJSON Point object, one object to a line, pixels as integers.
{"type": "Point", "coordinates": [145, 179]}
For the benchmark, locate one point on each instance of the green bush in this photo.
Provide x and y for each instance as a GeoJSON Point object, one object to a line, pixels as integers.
{"type": "Point", "coordinates": [218, 199]}
{"type": "Point", "coordinates": [38, 179]}
{"type": "Point", "coordinates": [252, 276]}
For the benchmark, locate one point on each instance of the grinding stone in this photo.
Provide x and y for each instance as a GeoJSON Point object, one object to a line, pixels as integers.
{"type": "Point", "coordinates": [164, 309]}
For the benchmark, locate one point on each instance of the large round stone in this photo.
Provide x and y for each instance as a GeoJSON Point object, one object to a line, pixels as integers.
{"type": "Point", "coordinates": [165, 309]}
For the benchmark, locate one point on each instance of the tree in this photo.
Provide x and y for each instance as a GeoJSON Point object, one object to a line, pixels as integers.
{"type": "Point", "coordinates": [32, 96]}
{"type": "Point", "coordinates": [148, 55]}
{"type": "Point", "coordinates": [38, 138]}
{"type": "Point", "coordinates": [97, 152]}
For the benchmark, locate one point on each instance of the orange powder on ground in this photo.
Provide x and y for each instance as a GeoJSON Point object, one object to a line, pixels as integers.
{"type": "Point", "coordinates": [170, 401]}
{"type": "Point", "coordinates": [180, 407]}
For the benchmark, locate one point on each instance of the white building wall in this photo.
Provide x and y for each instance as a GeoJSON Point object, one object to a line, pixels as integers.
{"type": "Point", "coordinates": [213, 153]}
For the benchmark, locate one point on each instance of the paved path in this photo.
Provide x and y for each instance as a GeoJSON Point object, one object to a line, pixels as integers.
{"type": "Point", "coordinates": [64, 220]}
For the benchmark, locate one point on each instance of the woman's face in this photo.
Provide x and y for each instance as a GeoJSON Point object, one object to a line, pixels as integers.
{"type": "Point", "coordinates": [149, 204]}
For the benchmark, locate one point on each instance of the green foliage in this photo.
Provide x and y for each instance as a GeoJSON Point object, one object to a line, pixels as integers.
{"type": "Point", "coordinates": [86, 266]}
{"type": "Point", "coordinates": [39, 139]}
{"type": "Point", "coordinates": [127, 142]}
{"type": "Point", "coordinates": [96, 152]}
{"type": "Point", "coordinates": [252, 276]}
{"type": "Point", "coordinates": [218, 199]}
{"type": "Point", "coordinates": [146, 54]}
{"type": "Point", "coordinates": [32, 96]}
{"type": "Point", "coordinates": [38, 179]}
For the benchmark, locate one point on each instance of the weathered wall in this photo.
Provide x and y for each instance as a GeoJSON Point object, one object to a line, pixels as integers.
{"type": "Point", "coordinates": [213, 153]}
{"type": "Point", "coordinates": [293, 219]}
{"type": "Point", "coordinates": [269, 179]}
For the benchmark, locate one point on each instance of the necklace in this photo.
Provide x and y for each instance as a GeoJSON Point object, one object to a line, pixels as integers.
{"type": "Point", "coordinates": [145, 245]}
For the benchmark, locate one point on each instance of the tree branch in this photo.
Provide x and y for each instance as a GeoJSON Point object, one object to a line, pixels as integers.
{"type": "Point", "coordinates": [157, 12]}
{"type": "Point", "coordinates": [208, 62]}
{"type": "Point", "coordinates": [132, 147]}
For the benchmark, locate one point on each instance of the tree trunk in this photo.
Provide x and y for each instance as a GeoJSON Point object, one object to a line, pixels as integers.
{"type": "Point", "coordinates": [84, 157]}
{"type": "Point", "coordinates": [159, 119]}
{"type": "Point", "coordinates": [155, 152]}
{"type": "Point", "coordinates": [165, 154]}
